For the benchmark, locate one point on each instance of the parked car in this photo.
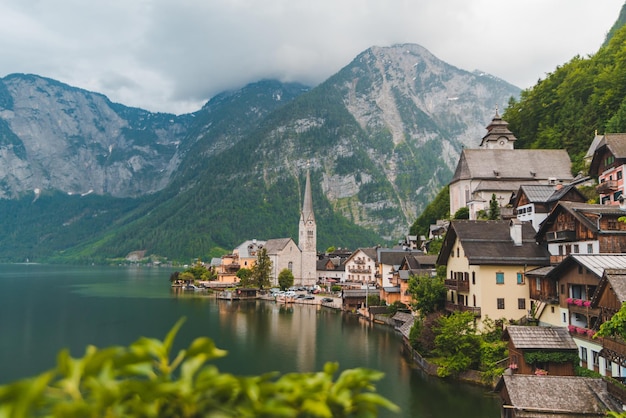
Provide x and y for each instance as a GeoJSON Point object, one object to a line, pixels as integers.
{"type": "Point", "coordinates": [301, 296]}
{"type": "Point", "coordinates": [327, 300]}
{"type": "Point", "coordinates": [309, 297]}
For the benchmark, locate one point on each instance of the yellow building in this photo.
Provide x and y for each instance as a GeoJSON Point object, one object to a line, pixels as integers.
{"type": "Point", "coordinates": [486, 265]}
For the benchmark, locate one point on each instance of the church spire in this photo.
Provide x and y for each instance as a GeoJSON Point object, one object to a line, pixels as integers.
{"type": "Point", "coordinates": [307, 206]}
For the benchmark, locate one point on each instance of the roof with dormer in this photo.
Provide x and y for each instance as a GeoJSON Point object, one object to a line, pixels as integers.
{"type": "Point", "coordinates": [521, 165]}
{"type": "Point", "coordinates": [490, 243]}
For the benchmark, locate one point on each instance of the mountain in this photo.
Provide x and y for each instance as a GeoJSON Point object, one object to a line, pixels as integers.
{"type": "Point", "coordinates": [380, 138]}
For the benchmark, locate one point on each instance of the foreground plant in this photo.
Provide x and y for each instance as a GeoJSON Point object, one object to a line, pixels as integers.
{"type": "Point", "coordinates": [142, 381]}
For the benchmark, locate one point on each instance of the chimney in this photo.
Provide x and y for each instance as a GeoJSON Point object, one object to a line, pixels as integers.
{"type": "Point", "coordinates": [515, 227]}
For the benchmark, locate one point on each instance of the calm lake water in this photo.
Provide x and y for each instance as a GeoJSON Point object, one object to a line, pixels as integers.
{"type": "Point", "coordinates": [46, 308]}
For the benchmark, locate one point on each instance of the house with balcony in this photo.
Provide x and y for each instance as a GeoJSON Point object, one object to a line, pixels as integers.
{"type": "Point", "coordinates": [583, 228]}
{"type": "Point", "coordinates": [608, 162]}
{"type": "Point", "coordinates": [496, 168]}
{"type": "Point", "coordinates": [362, 266]}
{"type": "Point", "coordinates": [486, 265]}
{"type": "Point", "coordinates": [577, 280]}
{"type": "Point", "coordinates": [533, 202]}
{"type": "Point", "coordinates": [608, 299]}
{"type": "Point", "coordinates": [540, 350]}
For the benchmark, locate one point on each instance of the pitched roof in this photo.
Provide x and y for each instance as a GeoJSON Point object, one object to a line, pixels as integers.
{"type": "Point", "coordinates": [490, 242]}
{"type": "Point", "coordinates": [617, 279]}
{"type": "Point", "coordinates": [273, 246]}
{"type": "Point", "coordinates": [525, 337]}
{"type": "Point", "coordinates": [595, 263]}
{"type": "Point", "coordinates": [538, 396]}
{"type": "Point", "coordinates": [614, 143]}
{"type": "Point", "coordinates": [394, 257]}
{"type": "Point", "coordinates": [245, 247]}
{"type": "Point", "coordinates": [527, 165]}
{"type": "Point", "coordinates": [585, 213]}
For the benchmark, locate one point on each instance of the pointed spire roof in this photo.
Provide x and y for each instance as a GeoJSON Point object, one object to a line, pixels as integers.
{"type": "Point", "coordinates": [307, 206]}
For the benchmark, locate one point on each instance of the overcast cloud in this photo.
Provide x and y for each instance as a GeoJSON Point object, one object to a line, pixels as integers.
{"type": "Point", "coordinates": [174, 55]}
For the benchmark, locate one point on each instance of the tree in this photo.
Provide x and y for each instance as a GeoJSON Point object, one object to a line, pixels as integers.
{"type": "Point", "coordinates": [148, 379]}
{"type": "Point", "coordinates": [616, 326]}
{"type": "Point", "coordinates": [494, 208]}
{"type": "Point", "coordinates": [261, 270]}
{"type": "Point", "coordinates": [457, 342]}
{"type": "Point", "coordinates": [285, 279]}
{"type": "Point", "coordinates": [428, 293]}
{"type": "Point", "coordinates": [462, 213]}
{"type": "Point", "coordinates": [244, 275]}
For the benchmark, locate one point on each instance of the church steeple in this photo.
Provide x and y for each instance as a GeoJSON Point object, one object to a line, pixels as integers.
{"type": "Point", "coordinates": [308, 236]}
{"type": "Point", "coordinates": [307, 206]}
{"type": "Point", "coordinates": [498, 134]}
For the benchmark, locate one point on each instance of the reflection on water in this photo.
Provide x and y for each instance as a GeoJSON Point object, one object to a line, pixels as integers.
{"type": "Point", "coordinates": [46, 308]}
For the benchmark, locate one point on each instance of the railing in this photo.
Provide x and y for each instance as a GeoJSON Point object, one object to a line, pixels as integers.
{"type": "Point", "coordinates": [615, 345]}
{"type": "Point", "coordinates": [607, 186]}
{"type": "Point", "coordinates": [543, 296]}
{"type": "Point", "coordinates": [458, 285]}
{"type": "Point", "coordinates": [562, 235]}
{"type": "Point", "coordinates": [360, 270]}
{"type": "Point", "coordinates": [453, 307]}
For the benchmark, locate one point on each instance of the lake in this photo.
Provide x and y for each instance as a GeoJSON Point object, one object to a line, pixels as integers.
{"type": "Point", "coordinates": [45, 308]}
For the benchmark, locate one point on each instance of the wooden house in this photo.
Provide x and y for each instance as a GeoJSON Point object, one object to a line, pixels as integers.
{"type": "Point", "coordinates": [609, 297]}
{"type": "Point", "coordinates": [582, 228]}
{"type": "Point", "coordinates": [353, 299]}
{"type": "Point", "coordinates": [528, 396]}
{"type": "Point", "coordinates": [541, 350]}
{"type": "Point", "coordinates": [533, 202]}
{"type": "Point", "coordinates": [608, 163]}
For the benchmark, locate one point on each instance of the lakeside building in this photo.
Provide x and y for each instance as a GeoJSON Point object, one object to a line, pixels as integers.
{"type": "Point", "coordinates": [497, 168]}
{"type": "Point", "coordinates": [486, 265]}
{"type": "Point", "coordinates": [284, 253]}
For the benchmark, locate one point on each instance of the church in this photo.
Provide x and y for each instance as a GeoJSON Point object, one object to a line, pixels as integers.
{"type": "Point", "coordinates": [497, 168]}
{"type": "Point", "coordinates": [284, 253]}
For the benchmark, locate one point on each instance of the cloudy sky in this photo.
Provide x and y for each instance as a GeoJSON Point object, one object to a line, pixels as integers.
{"type": "Point", "coordinates": [173, 55]}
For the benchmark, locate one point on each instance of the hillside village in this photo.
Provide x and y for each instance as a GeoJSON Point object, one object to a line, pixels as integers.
{"type": "Point", "coordinates": [552, 266]}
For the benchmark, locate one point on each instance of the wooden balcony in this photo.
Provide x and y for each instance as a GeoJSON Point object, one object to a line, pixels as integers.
{"type": "Point", "coordinates": [613, 348]}
{"type": "Point", "coordinates": [561, 236]}
{"type": "Point", "coordinates": [453, 307]}
{"type": "Point", "coordinates": [586, 311]}
{"type": "Point", "coordinates": [544, 296]}
{"type": "Point", "coordinates": [458, 285]}
{"type": "Point", "coordinates": [361, 270]}
{"type": "Point", "coordinates": [608, 186]}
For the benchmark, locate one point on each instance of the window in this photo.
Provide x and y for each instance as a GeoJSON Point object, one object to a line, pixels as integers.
{"type": "Point", "coordinates": [560, 250]}
{"type": "Point", "coordinates": [290, 266]}
{"type": "Point", "coordinates": [500, 303]}
{"type": "Point", "coordinates": [564, 318]}
{"type": "Point", "coordinates": [583, 353]}
{"type": "Point", "coordinates": [537, 283]}
{"type": "Point", "coordinates": [473, 277]}
{"type": "Point", "coordinates": [589, 248]}
{"type": "Point", "coordinates": [474, 300]}
{"type": "Point", "coordinates": [619, 175]}
{"type": "Point", "coordinates": [596, 358]}
{"type": "Point", "coordinates": [500, 278]}
{"type": "Point", "coordinates": [576, 249]}
{"type": "Point", "coordinates": [458, 252]}
{"type": "Point", "coordinates": [611, 224]}
{"type": "Point", "coordinates": [520, 278]}
{"type": "Point", "coordinates": [521, 303]}
{"type": "Point", "coordinates": [617, 195]}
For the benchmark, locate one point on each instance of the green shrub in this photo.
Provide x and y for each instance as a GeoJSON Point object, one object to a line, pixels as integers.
{"type": "Point", "coordinates": [142, 381]}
